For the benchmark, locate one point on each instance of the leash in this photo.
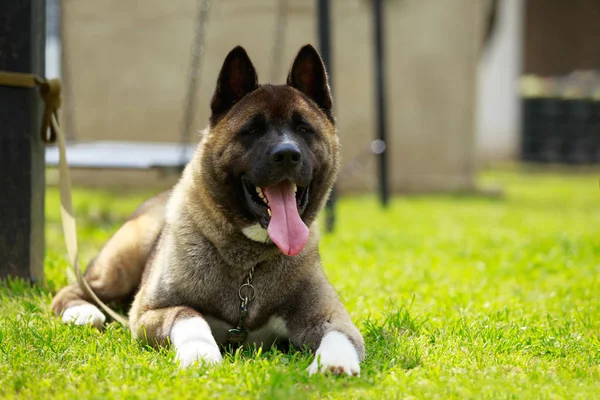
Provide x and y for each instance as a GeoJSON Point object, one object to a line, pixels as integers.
{"type": "Point", "coordinates": [50, 91]}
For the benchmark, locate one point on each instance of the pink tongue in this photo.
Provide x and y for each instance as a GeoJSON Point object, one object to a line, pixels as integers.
{"type": "Point", "coordinates": [286, 229]}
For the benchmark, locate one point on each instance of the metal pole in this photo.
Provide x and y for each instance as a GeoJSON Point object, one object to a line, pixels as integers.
{"type": "Point", "coordinates": [380, 104]}
{"type": "Point", "coordinates": [22, 153]}
{"type": "Point", "coordinates": [196, 58]}
{"type": "Point", "coordinates": [324, 27]}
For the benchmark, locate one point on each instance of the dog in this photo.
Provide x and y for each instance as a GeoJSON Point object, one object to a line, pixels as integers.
{"type": "Point", "coordinates": [229, 255]}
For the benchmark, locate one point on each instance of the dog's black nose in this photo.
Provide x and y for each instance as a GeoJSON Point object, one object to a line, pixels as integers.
{"type": "Point", "coordinates": [287, 154]}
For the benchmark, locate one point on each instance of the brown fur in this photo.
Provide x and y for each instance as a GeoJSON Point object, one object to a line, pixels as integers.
{"type": "Point", "coordinates": [183, 254]}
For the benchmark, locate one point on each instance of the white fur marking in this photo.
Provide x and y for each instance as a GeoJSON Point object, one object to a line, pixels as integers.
{"type": "Point", "coordinates": [257, 233]}
{"type": "Point", "coordinates": [264, 336]}
{"type": "Point", "coordinates": [287, 139]}
{"type": "Point", "coordinates": [194, 341]}
{"type": "Point", "coordinates": [274, 329]}
{"type": "Point", "coordinates": [83, 314]}
{"type": "Point", "coordinates": [336, 354]}
{"type": "Point", "coordinates": [279, 327]}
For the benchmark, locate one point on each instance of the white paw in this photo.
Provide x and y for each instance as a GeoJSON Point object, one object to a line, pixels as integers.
{"type": "Point", "coordinates": [83, 314]}
{"type": "Point", "coordinates": [193, 342]}
{"type": "Point", "coordinates": [336, 355]}
{"type": "Point", "coordinates": [198, 350]}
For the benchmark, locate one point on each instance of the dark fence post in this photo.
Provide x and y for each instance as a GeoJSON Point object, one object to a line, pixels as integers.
{"type": "Point", "coordinates": [324, 27]}
{"type": "Point", "coordinates": [380, 105]}
{"type": "Point", "coordinates": [22, 157]}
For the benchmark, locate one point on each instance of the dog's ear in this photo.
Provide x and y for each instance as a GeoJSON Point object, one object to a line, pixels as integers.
{"type": "Point", "coordinates": [236, 79]}
{"type": "Point", "coordinates": [308, 75]}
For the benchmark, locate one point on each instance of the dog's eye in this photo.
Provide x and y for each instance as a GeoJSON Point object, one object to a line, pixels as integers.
{"type": "Point", "coordinates": [303, 129]}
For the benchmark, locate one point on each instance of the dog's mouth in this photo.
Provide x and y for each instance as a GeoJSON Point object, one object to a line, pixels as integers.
{"type": "Point", "coordinates": [278, 209]}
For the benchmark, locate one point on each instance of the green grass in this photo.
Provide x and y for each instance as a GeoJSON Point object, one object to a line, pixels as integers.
{"type": "Point", "coordinates": [457, 297]}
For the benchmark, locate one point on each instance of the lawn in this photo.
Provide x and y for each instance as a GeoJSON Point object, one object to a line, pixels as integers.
{"type": "Point", "coordinates": [457, 297]}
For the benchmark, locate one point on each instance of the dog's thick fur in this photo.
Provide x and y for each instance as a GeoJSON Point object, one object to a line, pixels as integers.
{"type": "Point", "coordinates": [184, 254]}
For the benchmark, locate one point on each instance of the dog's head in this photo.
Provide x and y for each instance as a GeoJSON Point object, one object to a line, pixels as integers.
{"type": "Point", "coordinates": [271, 154]}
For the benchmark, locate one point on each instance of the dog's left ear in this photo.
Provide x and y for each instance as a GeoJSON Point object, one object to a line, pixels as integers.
{"type": "Point", "coordinates": [236, 79]}
{"type": "Point", "coordinates": [308, 75]}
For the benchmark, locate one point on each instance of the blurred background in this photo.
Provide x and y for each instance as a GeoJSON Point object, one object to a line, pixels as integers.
{"type": "Point", "coordinates": [467, 83]}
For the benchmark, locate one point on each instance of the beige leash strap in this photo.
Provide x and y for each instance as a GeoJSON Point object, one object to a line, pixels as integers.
{"type": "Point", "coordinates": [51, 130]}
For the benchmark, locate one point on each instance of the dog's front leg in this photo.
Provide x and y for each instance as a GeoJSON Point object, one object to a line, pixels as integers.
{"type": "Point", "coordinates": [187, 331]}
{"type": "Point", "coordinates": [321, 322]}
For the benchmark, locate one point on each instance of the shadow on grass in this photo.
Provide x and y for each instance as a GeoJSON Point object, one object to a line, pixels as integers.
{"type": "Point", "coordinates": [14, 287]}
{"type": "Point", "coordinates": [390, 344]}
{"type": "Point", "coordinates": [391, 339]}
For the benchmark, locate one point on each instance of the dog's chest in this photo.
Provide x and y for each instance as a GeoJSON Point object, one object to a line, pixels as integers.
{"type": "Point", "coordinates": [216, 292]}
{"type": "Point", "coordinates": [265, 336]}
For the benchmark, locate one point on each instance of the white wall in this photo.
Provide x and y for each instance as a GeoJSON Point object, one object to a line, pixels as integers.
{"type": "Point", "coordinates": [52, 58]}
{"type": "Point", "coordinates": [498, 113]}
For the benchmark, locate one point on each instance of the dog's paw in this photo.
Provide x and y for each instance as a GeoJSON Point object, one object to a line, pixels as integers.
{"type": "Point", "coordinates": [83, 314]}
{"type": "Point", "coordinates": [198, 351]}
{"type": "Point", "coordinates": [336, 355]}
{"type": "Point", "coordinates": [193, 342]}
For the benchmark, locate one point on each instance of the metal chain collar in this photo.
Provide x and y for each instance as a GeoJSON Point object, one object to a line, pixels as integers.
{"type": "Point", "coordinates": [246, 293]}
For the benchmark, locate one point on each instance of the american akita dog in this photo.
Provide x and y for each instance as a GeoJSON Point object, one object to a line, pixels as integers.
{"type": "Point", "coordinates": [230, 254]}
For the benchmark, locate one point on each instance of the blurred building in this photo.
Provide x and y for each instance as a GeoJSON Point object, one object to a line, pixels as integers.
{"type": "Point", "coordinates": [453, 99]}
{"type": "Point", "coordinates": [126, 70]}
{"type": "Point", "coordinates": [498, 110]}
{"type": "Point", "coordinates": [539, 83]}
